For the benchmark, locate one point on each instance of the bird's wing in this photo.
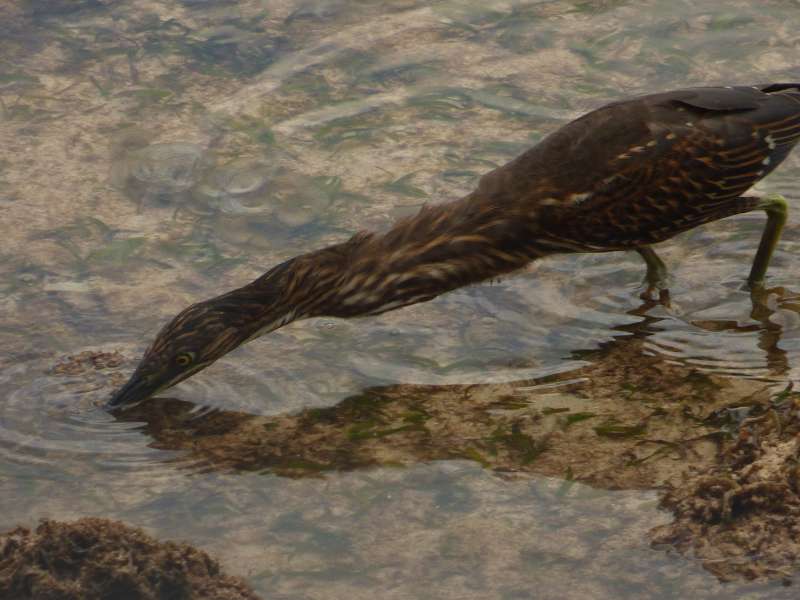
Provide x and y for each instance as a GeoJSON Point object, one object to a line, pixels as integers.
{"type": "Point", "coordinates": [640, 171]}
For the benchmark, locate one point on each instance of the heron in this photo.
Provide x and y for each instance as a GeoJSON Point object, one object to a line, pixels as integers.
{"type": "Point", "coordinates": [625, 176]}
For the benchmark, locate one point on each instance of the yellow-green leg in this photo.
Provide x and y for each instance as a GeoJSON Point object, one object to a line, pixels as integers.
{"type": "Point", "coordinates": [776, 208]}
{"type": "Point", "coordinates": [656, 276]}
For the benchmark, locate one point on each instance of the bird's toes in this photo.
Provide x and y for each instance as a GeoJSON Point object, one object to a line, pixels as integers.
{"type": "Point", "coordinates": [656, 294]}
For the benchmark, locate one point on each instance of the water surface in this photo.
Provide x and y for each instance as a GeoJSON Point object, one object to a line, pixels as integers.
{"type": "Point", "coordinates": [158, 152]}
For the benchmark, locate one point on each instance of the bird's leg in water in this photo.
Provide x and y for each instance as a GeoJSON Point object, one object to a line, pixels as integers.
{"type": "Point", "coordinates": [770, 332]}
{"type": "Point", "coordinates": [776, 208]}
{"type": "Point", "coordinates": [656, 276]}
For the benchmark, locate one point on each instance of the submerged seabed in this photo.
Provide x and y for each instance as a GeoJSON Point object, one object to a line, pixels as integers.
{"type": "Point", "coordinates": [498, 440]}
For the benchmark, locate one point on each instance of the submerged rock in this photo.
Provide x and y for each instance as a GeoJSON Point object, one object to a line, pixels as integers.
{"type": "Point", "coordinates": [94, 559]}
{"type": "Point", "coordinates": [741, 516]}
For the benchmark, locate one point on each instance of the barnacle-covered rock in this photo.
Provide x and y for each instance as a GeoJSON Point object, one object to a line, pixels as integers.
{"type": "Point", "coordinates": [93, 559]}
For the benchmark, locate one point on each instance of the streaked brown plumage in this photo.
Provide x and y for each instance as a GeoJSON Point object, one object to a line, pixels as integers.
{"type": "Point", "coordinates": [623, 177]}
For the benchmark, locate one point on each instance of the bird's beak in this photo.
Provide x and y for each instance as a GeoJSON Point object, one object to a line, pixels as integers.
{"type": "Point", "coordinates": [136, 390]}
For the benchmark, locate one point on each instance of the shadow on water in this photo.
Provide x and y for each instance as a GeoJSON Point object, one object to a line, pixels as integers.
{"type": "Point", "coordinates": [722, 448]}
{"type": "Point", "coordinates": [621, 421]}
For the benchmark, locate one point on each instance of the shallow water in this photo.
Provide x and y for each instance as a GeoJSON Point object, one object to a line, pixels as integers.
{"type": "Point", "coordinates": [128, 128]}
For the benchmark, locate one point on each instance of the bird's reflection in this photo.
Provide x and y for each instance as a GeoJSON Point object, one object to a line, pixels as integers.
{"type": "Point", "coordinates": [619, 421]}
{"type": "Point", "coordinates": [769, 332]}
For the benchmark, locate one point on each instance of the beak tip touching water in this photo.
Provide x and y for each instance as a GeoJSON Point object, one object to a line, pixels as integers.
{"type": "Point", "coordinates": [135, 390]}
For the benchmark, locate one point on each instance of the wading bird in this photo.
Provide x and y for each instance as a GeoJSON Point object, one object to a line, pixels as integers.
{"type": "Point", "coordinates": [623, 177]}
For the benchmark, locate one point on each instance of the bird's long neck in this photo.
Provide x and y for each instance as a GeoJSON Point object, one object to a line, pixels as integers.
{"type": "Point", "coordinates": [438, 250]}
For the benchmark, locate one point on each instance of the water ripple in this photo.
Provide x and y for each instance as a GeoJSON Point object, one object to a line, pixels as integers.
{"type": "Point", "coordinates": [56, 424]}
{"type": "Point", "coordinates": [529, 327]}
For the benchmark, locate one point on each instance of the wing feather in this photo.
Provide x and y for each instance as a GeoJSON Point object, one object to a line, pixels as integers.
{"type": "Point", "coordinates": [670, 162]}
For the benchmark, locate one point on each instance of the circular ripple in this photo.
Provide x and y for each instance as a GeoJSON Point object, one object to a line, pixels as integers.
{"type": "Point", "coordinates": [57, 424]}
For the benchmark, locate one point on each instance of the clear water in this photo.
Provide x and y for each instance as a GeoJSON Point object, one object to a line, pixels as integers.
{"type": "Point", "coordinates": [159, 152]}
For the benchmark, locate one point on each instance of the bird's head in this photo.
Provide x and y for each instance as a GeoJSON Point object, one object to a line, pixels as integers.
{"type": "Point", "coordinates": [198, 336]}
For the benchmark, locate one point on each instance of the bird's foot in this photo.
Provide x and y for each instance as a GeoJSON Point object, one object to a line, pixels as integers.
{"type": "Point", "coordinates": [765, 300]}
{"type": "Point", "coordinates": [756, 288]}
{"type": "Point", "coordinates": [656, 286]}
{"type": "Point", "coordinates": [657, 294]}
{"type": "Point", "coordinates": [655, 279]}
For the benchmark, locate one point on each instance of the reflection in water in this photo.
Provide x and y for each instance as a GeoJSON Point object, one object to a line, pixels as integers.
{"type": "Point", "coordinates": [376, 107]}
{"type": "Point", "coordinates": [769, 332]}
{"type": "Point", "coordinates": [618, 422]}
{"type": "Point", "coordinates": [629, 401]}
{"type": "Point", "coordinates": [765, 306]}
{"type": "Point", "coordinates": [753, 340]}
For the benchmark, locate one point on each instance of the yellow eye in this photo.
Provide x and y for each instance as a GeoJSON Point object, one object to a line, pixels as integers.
{"type": "Point", "coordinates": [184, 359]}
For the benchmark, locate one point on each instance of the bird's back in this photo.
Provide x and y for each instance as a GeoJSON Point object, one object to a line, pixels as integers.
{"type": "Point", "coordinates": [642, 170]}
